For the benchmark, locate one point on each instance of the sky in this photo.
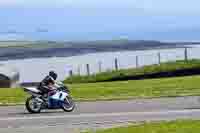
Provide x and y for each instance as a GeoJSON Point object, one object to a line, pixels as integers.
{"type": "Point", "coordinates": [68, 20]}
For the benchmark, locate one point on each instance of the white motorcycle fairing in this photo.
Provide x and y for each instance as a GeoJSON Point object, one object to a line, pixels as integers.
{"type": "Point", "coordinates": [59, 95]}
{"type": "Point", "coordinates": [33, 89]}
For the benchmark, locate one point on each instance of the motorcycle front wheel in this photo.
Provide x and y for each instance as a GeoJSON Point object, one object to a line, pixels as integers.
{"type": "Point", "coordinates": [68, 105]}
{"type": "Point", "coordinates": [33, 106]}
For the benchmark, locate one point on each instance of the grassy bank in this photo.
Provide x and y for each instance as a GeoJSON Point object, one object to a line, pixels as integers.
{"type": "Point", "coordinates": [179, 126]}
{"type": "Point", "coordinates": [128, 73]}
{"type": "Point", "coordinates": [154, 88]}
{"type": "Point", "coordinates": [8, 95]}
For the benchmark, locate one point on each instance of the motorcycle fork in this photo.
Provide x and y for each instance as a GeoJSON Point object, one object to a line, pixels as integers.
{"type": "Point", "coordinates": [67, 100]}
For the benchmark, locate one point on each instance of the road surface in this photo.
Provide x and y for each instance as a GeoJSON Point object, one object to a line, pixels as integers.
{"type": "Point", "coordinates": [94, 115]}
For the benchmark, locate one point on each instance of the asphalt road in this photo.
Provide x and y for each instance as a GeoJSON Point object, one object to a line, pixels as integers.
{"type": "Point", "coordinates": [94, 115]}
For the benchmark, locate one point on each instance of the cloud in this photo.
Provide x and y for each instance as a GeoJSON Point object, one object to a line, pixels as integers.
{"type": "Point", "coordinates": [156, 6]}
{"type": "Point", "coordinates": [56, 3]}
{"type": "Point", "coordinates": [11, 2]}
{"type": "Point", "coordinates": [12, 37]}
{"type": "Point", "coordinates": [153, 7]}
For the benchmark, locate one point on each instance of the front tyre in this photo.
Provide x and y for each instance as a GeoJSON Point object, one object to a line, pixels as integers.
{"type": "Point", "coordinates": [68, 105]}
{"type": "Point", "coordinates": [33, 106]}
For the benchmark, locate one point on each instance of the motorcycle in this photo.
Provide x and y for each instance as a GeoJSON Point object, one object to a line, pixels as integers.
{"type": "Point", "coordinates": [59, 99]}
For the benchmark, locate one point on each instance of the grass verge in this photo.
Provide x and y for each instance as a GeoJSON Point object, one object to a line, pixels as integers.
{"type": "Point", "coordinates": [179, 126]}
{"type": "Point", "coordinates": [12, 96]}
{"type": "Point", "coordinates": [121, 90]}
{"type": "Point", "coordinates": [154, 88]}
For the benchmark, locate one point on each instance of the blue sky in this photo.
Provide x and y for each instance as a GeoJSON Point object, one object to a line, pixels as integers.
{"type": "Point", "coordinates": [102, 19]}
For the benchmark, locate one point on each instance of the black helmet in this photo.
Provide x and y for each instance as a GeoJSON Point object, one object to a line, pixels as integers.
{"type": "Point", "coordinates": [53, 75]}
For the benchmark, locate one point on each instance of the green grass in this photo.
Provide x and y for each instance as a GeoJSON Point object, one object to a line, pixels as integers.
{"type": "Point", "coordinates": [107, 76]}
{"type": "Point", "coordinates": [166, 87]}
{"type": "Point", "coordinates": [154, 88]}
{"type": "Point", "coordinates": [179, 126]}
{"type": "Point", "coordinates": [8, 95]}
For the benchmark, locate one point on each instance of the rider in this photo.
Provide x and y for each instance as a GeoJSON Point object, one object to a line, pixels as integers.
{"type": "Point", "coordinates": [47, 84]}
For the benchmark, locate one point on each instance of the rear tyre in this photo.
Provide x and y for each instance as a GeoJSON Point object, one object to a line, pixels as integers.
{"type": "Point", "coordinates": [68, 105]}
{"type": "Point", "coordinates": [33, 106]}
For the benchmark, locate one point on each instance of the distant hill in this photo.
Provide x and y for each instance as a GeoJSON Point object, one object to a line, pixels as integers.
{"type": "Point", "coordinates": [37, 49]}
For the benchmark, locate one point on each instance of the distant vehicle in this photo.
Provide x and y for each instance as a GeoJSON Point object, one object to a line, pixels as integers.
{"type": "Point", "coordinates": [59, 99]}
